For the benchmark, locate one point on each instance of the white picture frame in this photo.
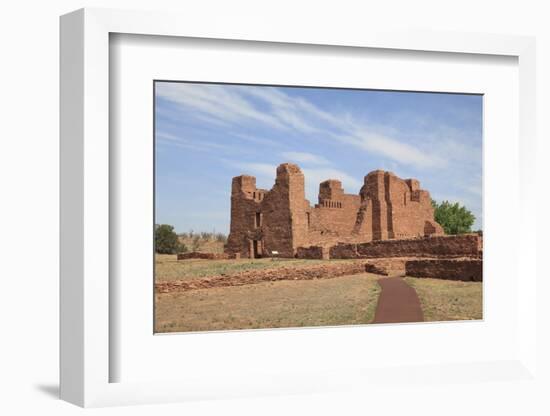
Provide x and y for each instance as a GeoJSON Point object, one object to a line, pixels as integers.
{"type": "Point", "coordinates": [85, 208]}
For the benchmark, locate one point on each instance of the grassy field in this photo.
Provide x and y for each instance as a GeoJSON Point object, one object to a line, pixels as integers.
{"type": "Point", "coordinates": [283, 304]}
{"type": "Point", "coordinates": [447, 300]}
{"type": "Point", "coordinates": [343, 300]}
{"type": "Point", "coordinates": [168, 268]}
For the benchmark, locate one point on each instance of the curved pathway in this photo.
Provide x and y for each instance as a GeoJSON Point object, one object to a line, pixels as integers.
{"type": "Point", "coordinates": [398, 302]}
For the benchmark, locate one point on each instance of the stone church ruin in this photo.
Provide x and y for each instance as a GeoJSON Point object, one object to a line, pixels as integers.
{"type": "Point", "coordinates": [282, 220]}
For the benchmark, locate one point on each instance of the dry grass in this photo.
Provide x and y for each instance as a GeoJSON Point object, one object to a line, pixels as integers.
{"type": "Point", "coordinates": [344, 300]}
{"type": "Point", "coordinates": [447, 300]}
{"type": "Point", "coordinates": [204, 245]}
{"type": "Point", "coordinates": [168, 268]}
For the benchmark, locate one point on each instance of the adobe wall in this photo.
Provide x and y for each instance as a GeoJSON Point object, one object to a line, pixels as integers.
{"type": "Point", "coordinates": [245, 199]}
{"type": "Point", "coordinates": [265, 221]}
{"type": "Point", "coordinates": [282, 220]}
{"type": "Point", "coordinates": [334, 216]}
{"type": "Point", "coordinates": [284, 212]}
{"type": "Point", "coordinates": [392, 266]}
{"type": "Point", "coordinates": [248, 277]}
{"type": "Point", "coordinates": [467, 245]}
{"type": "Point", "coordinates": [469, 270]}
{"type": "Point", "coordinates": [312, 252]}
{"type": "Point", "coordinates": [394, 208]}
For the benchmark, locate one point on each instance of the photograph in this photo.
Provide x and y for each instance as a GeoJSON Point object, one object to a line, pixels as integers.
{"type": "Point", "coordinates": [302, 206]}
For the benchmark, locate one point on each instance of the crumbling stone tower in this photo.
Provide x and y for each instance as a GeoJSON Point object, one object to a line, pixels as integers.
{"type": "Point", "coordinates": [282, 220]}
{"type": "Point", "coordinates": [265, 221]}
{"type": "Point", "coordinates": [394, 208]}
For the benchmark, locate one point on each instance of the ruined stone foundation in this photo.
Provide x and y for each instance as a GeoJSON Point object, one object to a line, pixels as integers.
{"type": "Point", "coordinates": [282, 221]}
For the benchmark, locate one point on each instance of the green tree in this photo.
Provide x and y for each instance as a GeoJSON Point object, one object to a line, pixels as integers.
{"type": "Point", "coordinates": [166, 240]}
{"type": "Point", "coordinates": [454, 218]}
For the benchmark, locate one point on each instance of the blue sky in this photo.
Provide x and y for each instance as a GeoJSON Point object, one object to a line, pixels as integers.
{"type": "Point", "coordinates": [205, 134]}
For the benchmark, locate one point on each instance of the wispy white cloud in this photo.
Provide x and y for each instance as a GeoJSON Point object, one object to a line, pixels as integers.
{"type": "Point", "coordinates": [393, 149]}
{"type": "Point", "coordinates": [186, 143]}
{"type": "Point", "coordinates": [306, 117]}
{"type": "Point", "coordinates": [305, 158]}
{"type": "Point", "coordinates": [303, 112]}
{"type": "Point", "coordinates": [234, 104]}
{"type": "Point", "coordinates": [290, 111]}
{"type": "Point", "coordinates": [264, 172]}
{"type": "Point", "coordinates": [273, 108]}
{"type": "Point", "coordinates": [474, 189]}
{"type": "Point", "coordinates": [219, 102]}
{"type": "Point", "coordinates": [256, 139]}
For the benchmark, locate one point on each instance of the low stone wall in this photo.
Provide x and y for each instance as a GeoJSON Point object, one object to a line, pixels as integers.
{"type": "Point", "coordinates": [323, 271]}
{"type": "Point", "coordinates": [343, 251]}
{"type": "Point", "coordinates": [206, 256]}
{"type": "Point", "coordinates": [468, 270]}
{"type": "Point", "coordinates": [392, 266]}
{"type": "Point", "coordinates": [467, 245]}
{"type": "Point", "coordinates": [312, 252]}
{"type": "Point", "coordinates": [376, 269]}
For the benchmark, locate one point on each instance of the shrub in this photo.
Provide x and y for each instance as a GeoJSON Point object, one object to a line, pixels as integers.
{"type": "Point", "coordinates": [166, 240]}
{"type": "Point", "coordinates": [454, 218]}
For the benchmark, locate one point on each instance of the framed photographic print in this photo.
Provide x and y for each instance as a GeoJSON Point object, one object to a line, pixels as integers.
{"type": "Point", "coordinates": [250, 251]}
{"type": "Point", "coordinates": [257, 212]}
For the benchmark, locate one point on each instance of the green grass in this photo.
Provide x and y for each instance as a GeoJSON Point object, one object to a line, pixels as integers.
{"type": "Point", "coordinates": [447, 300]}
{"type": "Point", "coordinates": [168, 268]}
{"type": "Point", "coordinates": [343, 300]}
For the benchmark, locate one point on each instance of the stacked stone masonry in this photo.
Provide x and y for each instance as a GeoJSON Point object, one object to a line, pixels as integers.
{"type": "Point", "coordinates": [466, 245]}
{"type": "Point", "coordinates": [313, 252]}
{"type": "Point", "coordinates": [282, 220]}
{"type": "Point", "coordinates": [248, 277]}
{"type": "Point", "coordinates": [470, 270]}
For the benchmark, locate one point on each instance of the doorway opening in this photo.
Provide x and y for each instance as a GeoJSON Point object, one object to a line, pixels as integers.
{"type": "Point", "coordinates": [256, 249]}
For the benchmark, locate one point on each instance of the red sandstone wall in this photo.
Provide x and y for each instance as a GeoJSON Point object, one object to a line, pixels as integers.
{"type": "Point", "coordinates": [282, 222]}
{"type": "Point", "coordinates": [438, 246]}
{"type": "Point", "coordinates": [244, 205]}
{"type": "Point", "coordinates": [334, 216]}
{"type": "Point", "coordinates": [284, 212]}
{"type": "Point", "coordinates": [387, 207]}
{"type": "Point", "coordinates": [394, 208]}
{"type": "Point", "coordinates": [382, 227]}
{"type": "Point", "coordinates": [364, 222]}
{"type": "Point", "coordinates": [465, 270]}
{"type": "Point", "coordinates": [312, 252]}
{"type": "Point", "coordinates": [248, 277]}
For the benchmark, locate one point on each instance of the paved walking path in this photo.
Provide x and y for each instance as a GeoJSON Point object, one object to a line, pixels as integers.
{"type": "Point", "coordinates": [398, 302]}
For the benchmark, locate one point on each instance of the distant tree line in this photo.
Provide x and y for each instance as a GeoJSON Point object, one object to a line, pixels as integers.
{"type": "Point", "coordinates": [206, 236]}
{"type": "Point", "coordinates": [167, 241]}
